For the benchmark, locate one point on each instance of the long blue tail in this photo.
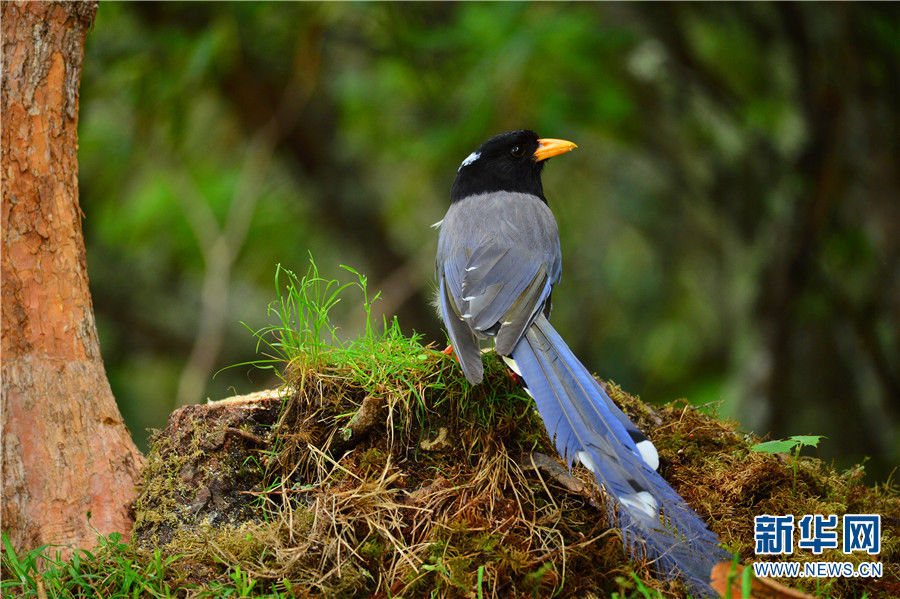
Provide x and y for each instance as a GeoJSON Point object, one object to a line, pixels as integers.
{"type": "Point", "coordinates": [587, 426]}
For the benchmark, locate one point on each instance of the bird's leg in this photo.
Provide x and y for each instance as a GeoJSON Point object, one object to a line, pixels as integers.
{"type": "Point", "coordinates": [448, 351]}
{"type": "Point", "coordinates": [513, 371]}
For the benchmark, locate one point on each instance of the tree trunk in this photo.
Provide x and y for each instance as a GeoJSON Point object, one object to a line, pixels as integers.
{"type": "Point", "coordinates": [66, 452]}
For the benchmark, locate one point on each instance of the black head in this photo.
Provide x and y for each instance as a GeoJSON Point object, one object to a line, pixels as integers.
{"type": "Point", "coordinates": [511, 161]}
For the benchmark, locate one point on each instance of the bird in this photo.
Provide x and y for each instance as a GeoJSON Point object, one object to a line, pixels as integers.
{"type": "Point", "coordinates": [498, 260]}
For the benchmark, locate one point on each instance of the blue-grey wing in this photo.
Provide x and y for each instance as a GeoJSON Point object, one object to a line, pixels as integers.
{"type": "Point", "coordinates": [461, 336]}
{"type": "Point", "coordinates": [498, 259]}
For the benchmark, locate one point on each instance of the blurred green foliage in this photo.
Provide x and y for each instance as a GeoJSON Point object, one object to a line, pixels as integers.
{"type": "Point", "coordinates": [729, 221]}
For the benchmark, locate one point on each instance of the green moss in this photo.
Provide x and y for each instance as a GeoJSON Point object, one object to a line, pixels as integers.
{"type": "Point", "coordinates": [198, 471]}
{"type": "Point", "coordinates": [164, 490]}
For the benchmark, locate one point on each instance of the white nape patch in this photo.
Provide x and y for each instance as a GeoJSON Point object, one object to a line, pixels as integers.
{"type": "Point", "coordinates": [649, 453]}
{"type": "Point", "coordinates": [437, 224]}
{"type": "Point", "coordinates": [467, 315]}
{"type": "Point", "coordinates": [470, 159]}
{"type": "Point", "coordinates": [471, 268]}
{"type": "Point", "coordinates": [512, 365]}
{"type": "Point", "coordinates": [587, 461]}
{"type": "Point", "coordinates": [643, 502]}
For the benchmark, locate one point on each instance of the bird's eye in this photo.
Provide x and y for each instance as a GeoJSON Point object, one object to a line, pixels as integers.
{"type": "Point", "coordinates": [517, 151]}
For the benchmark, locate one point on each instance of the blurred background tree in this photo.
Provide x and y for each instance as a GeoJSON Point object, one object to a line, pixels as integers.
{"type": "Point", "coordinates": [730, 222]}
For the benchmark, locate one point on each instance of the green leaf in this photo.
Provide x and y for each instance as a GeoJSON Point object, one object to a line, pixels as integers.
{"type": "Point", "coordinates": [783, 446]}
{"type": "Point", "coordinates": [746, 583]}
{"type": "Point", "coordinates": [807, 440]}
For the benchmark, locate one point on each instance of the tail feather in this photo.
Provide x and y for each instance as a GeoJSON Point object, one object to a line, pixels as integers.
{"type": "Point", "coordinates": [587, 426]}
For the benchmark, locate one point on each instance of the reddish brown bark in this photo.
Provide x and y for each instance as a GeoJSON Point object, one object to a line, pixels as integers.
{"type": "Point", "coordinates": [66, 450]}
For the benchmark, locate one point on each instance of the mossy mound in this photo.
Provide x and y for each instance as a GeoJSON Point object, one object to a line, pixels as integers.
{"type": "Point", "coordinates": [413, 484]}
{"type": "Point", "coordinates": [202, 468]}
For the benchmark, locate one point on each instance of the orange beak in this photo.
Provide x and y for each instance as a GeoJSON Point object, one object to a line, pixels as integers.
{"type": "Point", "coordinates": [552, 147]}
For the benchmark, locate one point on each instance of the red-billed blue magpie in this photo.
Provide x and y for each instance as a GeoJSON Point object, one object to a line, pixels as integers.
{"type": "Point", "coordinates": [498, 259]}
